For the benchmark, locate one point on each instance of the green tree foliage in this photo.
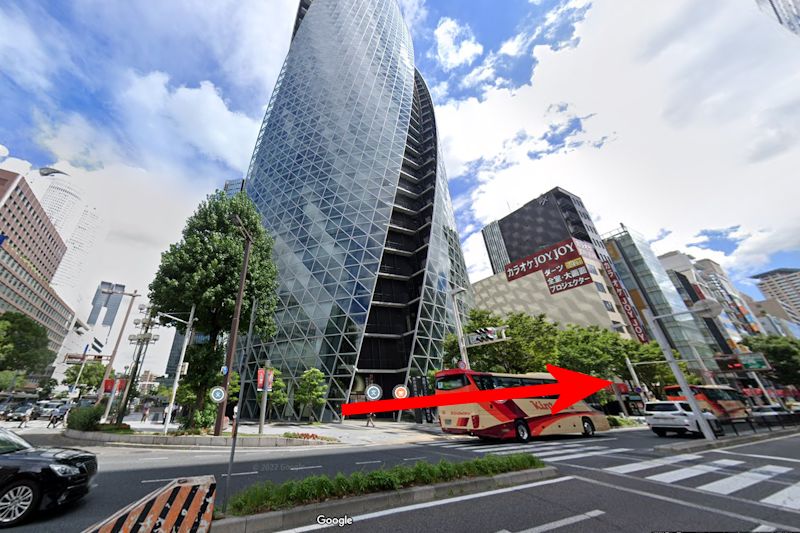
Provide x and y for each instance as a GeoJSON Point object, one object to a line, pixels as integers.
{"type": "Point", "coordinates": [310, 391]}
{"type": "Point", "coordinates": [277, 396]}
{"type": "Point", "coordinates": [204, 360]}
{"type": "Point", "coordinates": [7, 379]}
{"type": "Point", "coordinates": [5, 340]}
{"type": "Point", "coordinates": [46, 387]}
{"type": "Point", "coordinates": [29, 352]}
{"type": "Point", "coordinates": [91, 376]}
{"type": "Point", "coordinates": [592, 350]}
{"type": "Point", "coordinates": [533, 343]}
{"type": "Point", "coordinates": [783, 354]}
{"type": "Point", "coordinates": [234, 386]}
{"type": "Point", "coordinates": [204, 269]}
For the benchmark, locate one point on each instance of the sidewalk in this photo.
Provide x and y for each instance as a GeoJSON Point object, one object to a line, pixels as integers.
{"type": "Point", "coordinates": [347, 432]}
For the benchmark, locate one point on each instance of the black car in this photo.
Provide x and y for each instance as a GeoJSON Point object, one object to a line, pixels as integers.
{"type": "Point", "coordinates": [33, 479]}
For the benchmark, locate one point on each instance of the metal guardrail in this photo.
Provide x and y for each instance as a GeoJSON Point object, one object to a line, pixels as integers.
{"type": "Point", "coordinates": [762, 423]}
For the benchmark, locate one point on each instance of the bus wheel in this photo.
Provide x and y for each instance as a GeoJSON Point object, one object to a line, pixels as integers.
{"type": "Point", "coordinates": [588, 427]}
{"type": "Point", "coordinates": [523, 431]}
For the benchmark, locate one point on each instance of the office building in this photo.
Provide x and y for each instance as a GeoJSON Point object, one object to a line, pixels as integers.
{"type": "Point", "coordinates": [559, 216]}
{"type": "Point", "coordinates": [785, 12]}
{"type": "Point", "coordinates": [782, 284]}
{"type": "Point", "coordinates": [650, 287]}
{"type": "Point", "coordinates": [698, 280]}
{"type": "Point", "coordinates": [349, 179]}
{"type": "Point", "coordinates": [30, 253]}
{"type": "Point", "coordinates": [233, 187]}
{"type": "Point", "coordinates": [775, 317]}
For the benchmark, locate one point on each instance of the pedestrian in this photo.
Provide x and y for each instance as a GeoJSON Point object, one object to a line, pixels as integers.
{"type": "Point", "coordinates": [53, 418]}
{"type": "Point", "coordinates": [145, 413]}
{"type": "Point", "coordinates": [370, 421]}
{"type": "Point", "coordinates": [26, 415]}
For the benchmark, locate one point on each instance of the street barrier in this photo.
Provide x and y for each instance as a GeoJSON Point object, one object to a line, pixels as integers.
{"type": "Point", "coordinates": [185, 504]}
{"type": "Point", "coordinates": [782, 421]}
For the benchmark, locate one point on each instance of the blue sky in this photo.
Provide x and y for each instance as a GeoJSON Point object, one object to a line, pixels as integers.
{"type": "Point", "coordinates": [680, 119]}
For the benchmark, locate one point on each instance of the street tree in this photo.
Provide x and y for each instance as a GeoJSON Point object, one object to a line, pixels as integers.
{"type": "Point", "coordinates": [310, 391]}
{"type": "Point", "coordinates": [204, 268]}
{"type": "Point", "coordinates": [6, 379]}
{"type": "Point", "coordinates": [5, 340]}
{"type": "Point", "coordinates": [91, 376]}
{"type": "Point", "coordinates": [46, 387]}
{"type": "Point", "coordinates": [29, 350]}
{"type": "Point", "coordinates": [205, 361]}
{"type": "Point", "coordinates": [783, 354]}
{"type": "Point", "coordinates": [592, 350]}
{"type": "Point", "coordinates": [277, 396]}
{"type": "Point", "coordinates": [532, 343]}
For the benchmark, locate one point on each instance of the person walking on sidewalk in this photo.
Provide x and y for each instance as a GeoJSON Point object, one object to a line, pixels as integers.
{"type": "Point", "coordinates": [26, 415]}
{"type": "Point", "coordinates": [145, 413]}
{"type": "Point", "coordinates": [370, 420]}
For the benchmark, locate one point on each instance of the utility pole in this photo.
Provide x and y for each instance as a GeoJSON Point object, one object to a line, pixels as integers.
{"type": "Point", "coordinates": [83, 364]}
{"type": "Point", "coordinates": [186, 340]}
{"type": "Point", "coordinates": [264, 393]}
{"type": "Point", "coordinates": [142, 340]}
{"type": "Point", "coordinates": [462, 346]}
{"type": "Point", "coordinates": [655, 328]}
{"type": "Point", "coordinates": [248, 242]}
{"type": "Point", "coordinates": [110, 365]}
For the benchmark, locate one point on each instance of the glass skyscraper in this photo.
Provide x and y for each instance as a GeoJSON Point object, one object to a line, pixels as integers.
{"type": "Point", "coordinates": [348, 177]}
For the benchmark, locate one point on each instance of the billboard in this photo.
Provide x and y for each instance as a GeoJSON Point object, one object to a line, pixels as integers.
{"type": "Point", "coordinates": [549, 256]}
{"type": "Point", "coordinates": [625, 302]}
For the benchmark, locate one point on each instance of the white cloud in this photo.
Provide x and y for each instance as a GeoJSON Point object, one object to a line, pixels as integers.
{"type": "Point", "coordinates": [514, 46]}
{"type": "Point", "coordinates": [161, 118]}
{"type": "Point", "coordinates": [483, 73]}
{"type": "Point", "coordinates": [455, 44]}
{"type": "Point", "coordinates": [414, 13]}
{"type": "Point", "coordinates": [439, 91]}
{"type": "Point", "coordinates": [3, 151]}
{"type": "Point", "coordinates": [696, 129]}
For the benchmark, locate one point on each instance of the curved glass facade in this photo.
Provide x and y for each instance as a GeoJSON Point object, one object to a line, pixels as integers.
{"type": "Point", "coordinates": [347, 177]}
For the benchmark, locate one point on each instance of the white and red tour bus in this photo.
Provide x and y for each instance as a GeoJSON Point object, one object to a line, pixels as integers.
{"type": "Point", "coordinates": [521, 418]}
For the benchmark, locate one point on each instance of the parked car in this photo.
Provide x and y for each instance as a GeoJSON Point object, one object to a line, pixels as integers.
{"type": "Point", "coordinates": [794, 408]}
{"type": "Point", "coordinates": [20, 411]}
{"type": "Point", "coordinates": [46, 407]}
{"type": "Point", "coordinates": [6, 409]}
{"type": "Point", "coordinates": [34, 479]}
{"type": "Point", "coordinates": [678, 417]}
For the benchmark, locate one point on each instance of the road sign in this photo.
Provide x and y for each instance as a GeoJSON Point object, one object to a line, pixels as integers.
{"type": "Point", "coordinates": [223, 370]}
{"type": "Point", "coordinates": [400, 392]}
{"type": "Point", "coordinates": [754, 361]}
{"type": "Point", "coordinates": [217, 394]}
{"type": "Point", "coordinates": [373, 392]}
{"type": "Point", "coordinates": [637, 389]}
{"type": "Point", "coordinates": [462, 365]}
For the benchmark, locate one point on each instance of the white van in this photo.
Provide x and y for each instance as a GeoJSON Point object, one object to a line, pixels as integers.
{"type": "Point", "coordinates": [678, 417]}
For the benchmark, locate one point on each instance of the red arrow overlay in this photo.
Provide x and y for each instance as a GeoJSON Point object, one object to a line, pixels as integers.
{"type": "Point", "coordinates": [571, 387]}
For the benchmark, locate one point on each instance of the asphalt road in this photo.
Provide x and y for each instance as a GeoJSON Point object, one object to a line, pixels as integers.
{"type": "Point", "coordinates": [607, 484]}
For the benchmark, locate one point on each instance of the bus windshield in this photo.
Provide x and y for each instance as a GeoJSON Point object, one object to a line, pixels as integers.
{"type": "Point", "coordinates": [452, 382]}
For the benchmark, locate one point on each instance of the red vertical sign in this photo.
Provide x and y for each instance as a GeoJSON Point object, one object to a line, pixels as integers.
{"type": "Point", "coordinates": [625, 302]}
{"type": "Point", "coordinates": [260, 379]}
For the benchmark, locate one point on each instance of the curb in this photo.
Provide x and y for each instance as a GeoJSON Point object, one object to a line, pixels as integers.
{"type": "Point", "coordinates": [306, 514]}
{"type": "Point", "coordinates": [684, 447]}
{"type": "Point", "coordinates": [190, 440]}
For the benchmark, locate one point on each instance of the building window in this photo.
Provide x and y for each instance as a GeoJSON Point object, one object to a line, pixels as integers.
{"type": "Point", "coordinates": [600, 286]}
{"type": "Point", "coordinates": [592, 269]}
{"type": "Point", "coordinates": [609, 306]}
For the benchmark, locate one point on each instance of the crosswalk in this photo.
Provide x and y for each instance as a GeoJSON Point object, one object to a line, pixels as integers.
{"type": "Point", "coordinates": [734, 477]}
{"type": "Point", "coordinates": [549, 451]}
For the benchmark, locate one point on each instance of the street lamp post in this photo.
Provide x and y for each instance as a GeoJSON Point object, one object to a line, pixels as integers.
{"type": "Point", "coordinates": [186, 340]}
{"type": "Point", "coordinates": [142, 340]}
{"type": "Point", "coordinates": [248, 242]}
{"type": "Point", "coordinates": [706, 311]}
{"type": "Point", "coordinates": [110, 365]}
{"type": "Point", "coordinates": [462, 346]}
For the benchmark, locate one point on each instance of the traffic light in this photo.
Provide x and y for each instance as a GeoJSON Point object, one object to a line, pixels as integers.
{"type": "Point", "coordinates": [485, 334]}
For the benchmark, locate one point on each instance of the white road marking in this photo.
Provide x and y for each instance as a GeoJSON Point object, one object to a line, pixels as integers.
{"type": "Point", "coordinates": [435, 503]}
{"type": "Point", "coordinates": [413, 458]}
{"type": "Point", "coordinates": [788, 497]}
{"type": "Point", "coordinates": [564, 522]}
{"type": "Point", "coordinates": [764, 529]}
{"type": "Point", "coordinates": [743, 480]}
{"type": "Point", "coordinates": [305, 467]}
{"type": "Point", "coordinates": [555, 452]}
{"type": "Point", "coordinates": [525, 447]}
{"type": "Point", "coordinates": [158, 480]}
{"type": "Point", "coordinates": [517, 449]}
{"type": "Point", "coordinates": [691, 471]}
{"type": "Point", "coordinates": [241, 473]}
{"type": "Point", "coordinates": [368, 462]}
{"type": "Point", "coordinates": [154, 459]}
{"type": "Point", "coordinates": [581, 455]}
{"type": "Point", "coordinates": [684, 503]}
{"type": "Point", "coordinates": [644, 465]}
{"type": "Point", "coordinates": [770, 457]}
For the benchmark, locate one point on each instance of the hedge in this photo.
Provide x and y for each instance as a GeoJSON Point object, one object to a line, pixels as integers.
{"type": "Point", "coordinates": [85, 418]}
{"type": "Point", "coordinates": [269, 496]}
{"type": "Point", "coordinates": [619, 421]}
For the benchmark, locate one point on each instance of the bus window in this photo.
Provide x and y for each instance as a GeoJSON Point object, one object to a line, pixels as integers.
{"type": "Point", "coordinates": [483, 381]}
{"type": "Point", "coordinates": [501, 382]}
{"type": "Point", "coordinates": [451, 382]}
{"type": "Point", "coordinates": [533, 381]}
